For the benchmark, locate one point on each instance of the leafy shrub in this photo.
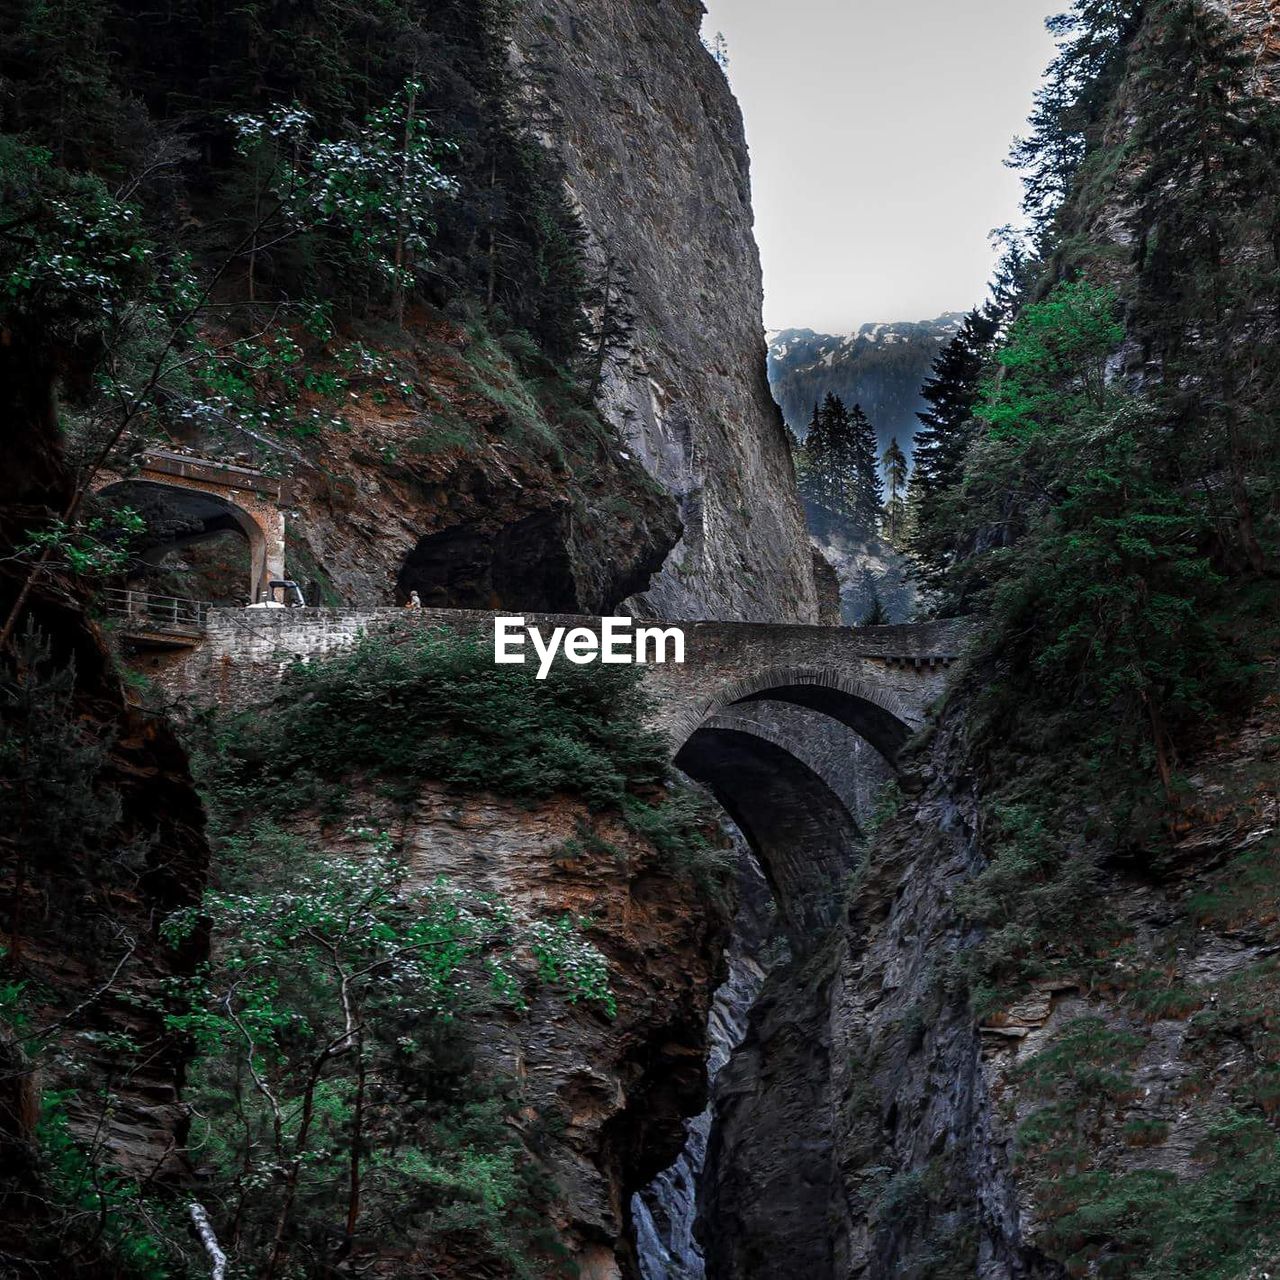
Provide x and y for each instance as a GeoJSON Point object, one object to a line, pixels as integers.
{"type": "Point", "coordinates": [434, 705]}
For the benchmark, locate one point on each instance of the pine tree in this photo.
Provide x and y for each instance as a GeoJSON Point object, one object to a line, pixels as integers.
{"type": "Point", "coordinates": [946, 431]}
{"type": "Point", "coordinates": [1070, 108]}
{"type": "Point", "coordinates": [613, 320]}
{"type": "Point", "coordinates": [1209, 262]}
{"type": "Point", "coordinates": [867, 499]}
{"type": "Point", "coordinates": [840, 470]}
{"type": "Point", "coordinates": [830, 466]}
{"type": "Point", "coordinates": [895, 472]}
{"type": "Point", "coordinates": [876, 615]}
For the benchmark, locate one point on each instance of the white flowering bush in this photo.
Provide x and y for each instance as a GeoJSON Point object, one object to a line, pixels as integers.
{"type": "Point", "coordinates": [571, 961]}
{"type": "Point", "coordinates": [78, 256]}
{"type": "Point", "coordinates": [377, 188]}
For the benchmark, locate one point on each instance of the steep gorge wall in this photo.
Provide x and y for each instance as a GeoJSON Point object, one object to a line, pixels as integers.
{"type": "Point", "coordinates": [685, 504]}
{"type": "Point", "coordinates": [652, 141]}
{"type": "Point", "coordinates": [1116, 1118]}
{"type": "Point", "coordinates": [102, 837]}
{"type": "Point", "coordinates": [653, 144]}
{"type": "Point", "coordinates": [855, 1130]}
{"type": "Point", "coordinates": [872, 1126]}
{"type": "Point", "coordinates": [603, 1099]}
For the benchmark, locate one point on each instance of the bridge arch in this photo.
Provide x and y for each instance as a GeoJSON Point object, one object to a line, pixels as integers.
{"type": "Point", "coordinates": [195, 499]}
{"type": "Point", "coordinates": [873, 712]}
{"type": "Point", "coordinates": [794, 804]}
{"type": "Point", "coordinates": [802, 834]}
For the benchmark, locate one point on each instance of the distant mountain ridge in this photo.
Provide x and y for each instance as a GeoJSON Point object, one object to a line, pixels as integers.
{"type": "Point", "coordinates": [880, 366]}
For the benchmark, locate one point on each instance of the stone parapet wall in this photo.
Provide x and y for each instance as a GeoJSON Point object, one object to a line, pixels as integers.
{"type": "Point", "coordinates": [901, 669]}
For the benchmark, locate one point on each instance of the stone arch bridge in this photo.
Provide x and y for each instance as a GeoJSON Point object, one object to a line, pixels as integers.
{"type": "Point", "coordinates": [792, 728]}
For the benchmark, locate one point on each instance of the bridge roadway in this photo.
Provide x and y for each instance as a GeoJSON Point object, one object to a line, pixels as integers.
{"type": "Point", "coordinates": [774, 720]}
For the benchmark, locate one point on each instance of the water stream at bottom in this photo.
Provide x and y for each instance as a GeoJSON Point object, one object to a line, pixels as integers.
{"type": "Point", "coordinates": [665, 1211]}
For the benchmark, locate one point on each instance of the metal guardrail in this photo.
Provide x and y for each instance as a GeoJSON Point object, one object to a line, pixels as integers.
{"type": "Point", "coordinates": [145, 611]}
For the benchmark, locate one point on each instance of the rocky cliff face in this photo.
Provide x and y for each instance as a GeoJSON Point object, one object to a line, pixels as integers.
{"type": "Point", "coordinates": [865, 567]}
{"type": "Point", "coordinates": [479, 484]}
{"type": "Point", "coordinates": [665, 1212]}
{"type": "Point", "coordinates": [603, 1100]}
{"type": "Point", "coordinates": [652, 141]}
{"type": "Point", "coordinates": [854, 1130]}
{"type": "Point", "coordinates": [103, 836]}
{"type": "Point", "coordinates": [871, 1126]}
{"type": "Point", "coordinates": [1112, 1118]}
{"type": "Point", "coordinates": [480, 488]}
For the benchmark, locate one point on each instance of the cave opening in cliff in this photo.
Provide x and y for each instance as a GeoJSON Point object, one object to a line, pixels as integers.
{"type": "Point", "coordinates": [522, 565]}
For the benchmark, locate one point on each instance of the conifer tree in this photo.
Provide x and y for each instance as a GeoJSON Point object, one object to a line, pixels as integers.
{"type": "Point", "coordinates": [613, 320]}
{"type": "Point", "coordinates": [867, 499]}
{"type": "Point", "coordinates": [1070, 108]}
{"type": "Point", "coordinates": [895, 473]}
{"type": "Point", "coordinates": [876, 615]}
{"type": "Point", "coordinates": [840, 471]}
{"type": "Point", "coordinates": [830, 469]}
{"type": "Point", "coordinates": [946, 431]}
{"type": "Point", "coordinates": [1209, 262]}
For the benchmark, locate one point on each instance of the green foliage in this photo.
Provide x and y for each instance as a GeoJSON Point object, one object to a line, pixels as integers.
{"type": "Point", "coordinates": [1150, 1225]}
{"type": "Point", "coordinates": [97, 547]}
{"type": "Point", "coordinates": [1068, 119]}
{"type": "Point", "coordinates": [1101, 605]}
{"type": "Point", "coordinates": [896, 472]}
{"type": "Point", "coordinates": [837, 465]}
{"type": "Point", "coordinates": [317, 1030]}
{"type": "Point", "coordinates": [338, 1102]}
{"type": "Point", "coordinates": [83, 287]}
{"type": "Point", "coordinates": [98, 1210]}
{"type": "Point", "coordinates": [432, 705]}
{"type": "Point", "coordinates": [1216, 1219]}
{"type": "Point", "coordinates": [379, 188]}
{"type": "Point", "coordinates": [73, 256]}
{"type": "Point", "coordinates": [947, 429]}
{"type": "Point", "coordinates": [876, 615]}
{"type": "Point", "coordinates": [685, 831]}
{"type": "Point", "coordinates": [1086, 1061]}
{"type": "Point", "coordinates": [566, 959]}
{"type": "Point", "coordinates": [1035, 898]}
{"type": "Point", "coordinates": [884, 806]}
{"type": "Point", "coordinates": [1209, 265]}
{"type": "Point", "coordinates": [100, 85]}
{"type": "Point", "coordinates": [84, 1216]}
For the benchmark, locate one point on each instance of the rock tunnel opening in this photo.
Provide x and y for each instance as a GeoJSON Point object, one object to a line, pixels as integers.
{"type": "Point", "coordinates": [196, 545]}
{"type": "Point", "coordinates": [524, 565]}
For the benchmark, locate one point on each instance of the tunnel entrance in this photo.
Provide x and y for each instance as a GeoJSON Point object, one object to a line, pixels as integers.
{"type": "Point", "coordinates": [195, 545]}
{"type": "Point", "coordinates": [524, 565]}
{"type": "Point", "coordinates": [214, 530]}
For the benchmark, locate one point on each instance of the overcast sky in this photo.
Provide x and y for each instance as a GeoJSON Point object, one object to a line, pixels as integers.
{"type": "Point", "coordinates": [878, 130]}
